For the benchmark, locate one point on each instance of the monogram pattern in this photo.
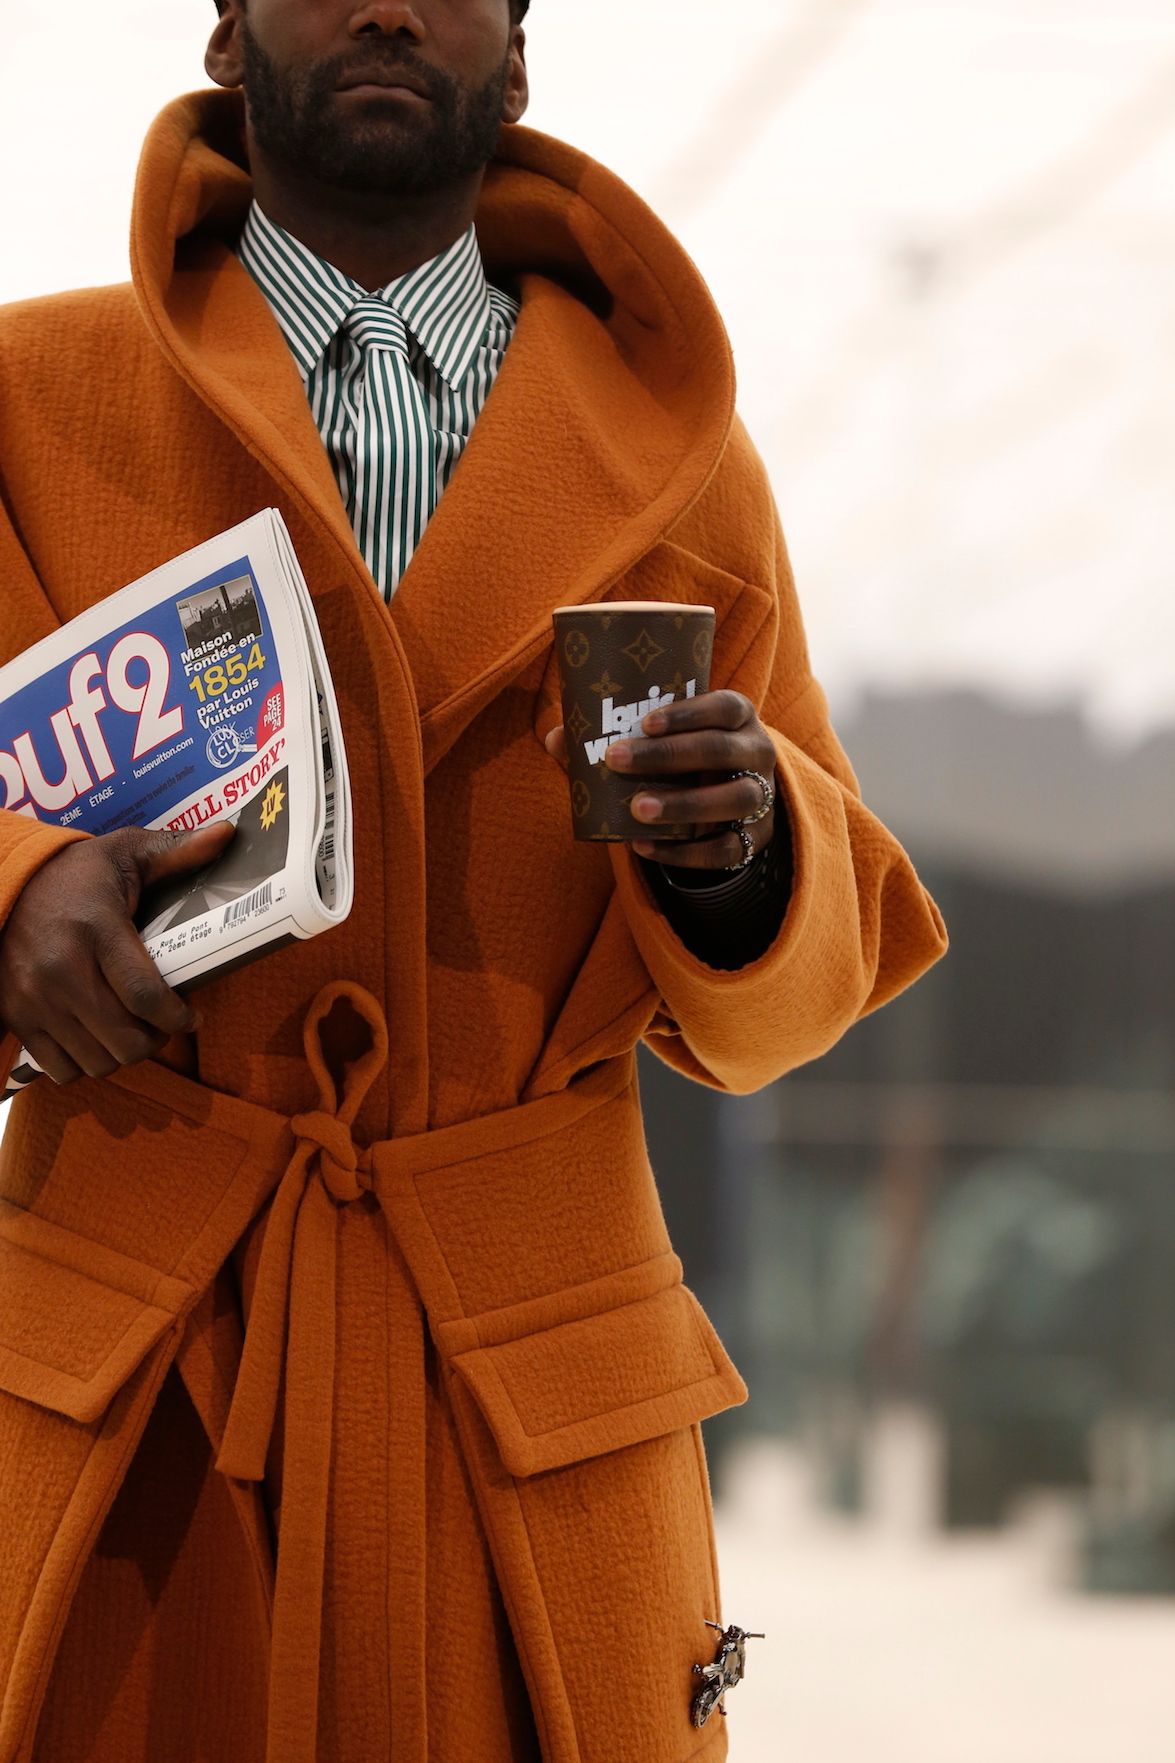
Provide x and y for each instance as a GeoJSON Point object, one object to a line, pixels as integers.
{"type": "Point", "coordinates": [639, 658]}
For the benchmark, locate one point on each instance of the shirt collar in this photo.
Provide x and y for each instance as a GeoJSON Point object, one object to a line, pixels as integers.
{"type": "Point", "coordinates": [445, 303]}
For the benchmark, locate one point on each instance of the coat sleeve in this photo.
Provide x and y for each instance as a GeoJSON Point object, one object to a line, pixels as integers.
{"type": "Point", "coordinates": [859, 926]}
{"type": "Point", "coordinates": [25, 844]}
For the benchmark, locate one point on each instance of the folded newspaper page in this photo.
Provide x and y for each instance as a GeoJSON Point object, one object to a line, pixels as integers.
{"type": "Point", "coordinates": [199, 693]}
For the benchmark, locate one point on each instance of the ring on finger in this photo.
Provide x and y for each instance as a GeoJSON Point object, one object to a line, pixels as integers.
{"type": "Point", "coordinates": [748, 856]}
{"type": "Point", "coordinates": [768, 802]}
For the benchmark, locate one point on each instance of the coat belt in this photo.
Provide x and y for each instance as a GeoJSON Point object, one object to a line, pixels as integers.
{"type": "Point", "coordinates": [290, 1344]}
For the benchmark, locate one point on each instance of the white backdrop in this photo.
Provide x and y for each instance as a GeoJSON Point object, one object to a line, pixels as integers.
{"type": "Point", "coordinates": [941, 233]}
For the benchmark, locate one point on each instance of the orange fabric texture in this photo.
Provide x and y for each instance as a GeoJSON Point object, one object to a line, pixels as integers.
{"type": "Point", "coordinates": [375, 1264]}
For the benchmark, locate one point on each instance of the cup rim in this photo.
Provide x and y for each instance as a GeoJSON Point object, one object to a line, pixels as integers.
{"type": "Point", "coordinates": [603, 606]}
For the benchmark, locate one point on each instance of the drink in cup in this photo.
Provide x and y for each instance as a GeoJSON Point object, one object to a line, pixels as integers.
{"type": "Point", "coordinates": [619, 660]}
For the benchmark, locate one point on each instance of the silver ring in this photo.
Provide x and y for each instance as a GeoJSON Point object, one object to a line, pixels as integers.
{"type": "Point", "coordinates": [736, 826]}
{"type": "Point", "coordinates": [768, 801]}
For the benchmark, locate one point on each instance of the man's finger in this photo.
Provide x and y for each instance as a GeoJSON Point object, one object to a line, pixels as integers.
{"type": "Point", "coordinates": [53, 1061]}
{"type": "Point", "coordinates": [128, 1039]}
{"type": "Point", "coordinates": [91, 1055]}
{"type": "Point", "coordinates": [707, 805]}
{"type": "Point", "coordinates": [723, 709]}
{"type": "Point", "coordinates": [710, 749]}
{"type": "Point", "coordinates": [163, 854]}
{"type": "Point", "coordinates": [725, 851]}
{"type": "Point", "coordinates": [556, 744]}
{"type": "Point", "coordinates": [139, 986]}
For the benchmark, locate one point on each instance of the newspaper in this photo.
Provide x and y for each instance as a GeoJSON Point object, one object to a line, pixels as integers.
{"type": "Point", "coordinates": [197, 694]}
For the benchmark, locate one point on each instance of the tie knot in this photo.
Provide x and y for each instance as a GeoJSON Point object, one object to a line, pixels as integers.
{"type": "Point", "coordinates": [373, 324]}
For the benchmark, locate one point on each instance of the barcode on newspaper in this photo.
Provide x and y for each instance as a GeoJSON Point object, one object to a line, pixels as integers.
{"type": "Point", "coordinates": [257, 901]}
{"type": "Point", "coordinates": [326, 845]}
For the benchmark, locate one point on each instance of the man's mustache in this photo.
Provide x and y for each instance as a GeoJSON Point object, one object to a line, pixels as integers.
{"type": "Point", "coordinates": [387, 57]}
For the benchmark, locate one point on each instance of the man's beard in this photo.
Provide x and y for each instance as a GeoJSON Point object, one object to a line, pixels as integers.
{"type": "Point", "coordinates": [296, 118]}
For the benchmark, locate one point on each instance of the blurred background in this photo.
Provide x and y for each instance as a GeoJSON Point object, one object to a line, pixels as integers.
{"type": "Point", "coordinates": [943, 238]}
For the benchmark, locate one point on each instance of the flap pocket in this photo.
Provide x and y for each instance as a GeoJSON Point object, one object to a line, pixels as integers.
{"type": "Point", "coordinates": [596, 1384]}
{"type": "Point", "coordinates": [76, 1319]}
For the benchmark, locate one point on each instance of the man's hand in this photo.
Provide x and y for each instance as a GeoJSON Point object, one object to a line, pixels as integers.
{"type": "Point", "coordinates": [713, 735]}
{"type": "Point", "coordinates": [76, 983]}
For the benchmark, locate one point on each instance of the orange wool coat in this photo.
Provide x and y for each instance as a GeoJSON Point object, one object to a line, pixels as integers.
{"type": "Point", "coordinates": [407, 1154]}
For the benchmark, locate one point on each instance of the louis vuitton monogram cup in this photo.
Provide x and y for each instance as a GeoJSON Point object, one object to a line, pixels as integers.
{"type": "Point", "coordinates": [619, 660]}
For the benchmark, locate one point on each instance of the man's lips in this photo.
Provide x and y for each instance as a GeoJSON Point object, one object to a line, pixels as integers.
{"type": "Point", "coordinates": [383, 79]}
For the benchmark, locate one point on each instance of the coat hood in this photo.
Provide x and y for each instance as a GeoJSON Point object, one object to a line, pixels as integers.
{"type": "Point", "coordinates": [608, 419]}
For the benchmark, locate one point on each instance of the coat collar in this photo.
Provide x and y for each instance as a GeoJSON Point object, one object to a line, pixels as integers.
{"type": "Point", "coordinates": [608, 418]}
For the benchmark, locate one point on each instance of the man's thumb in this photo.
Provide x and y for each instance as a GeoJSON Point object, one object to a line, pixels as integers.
{"type": "Point", "coordinates": [164, 854]}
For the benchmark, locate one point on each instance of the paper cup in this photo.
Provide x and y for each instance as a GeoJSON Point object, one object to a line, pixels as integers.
{"type": "Point", "coordinates": [619, 660]}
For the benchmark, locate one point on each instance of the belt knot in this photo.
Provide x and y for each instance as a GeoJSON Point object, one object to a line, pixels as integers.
{"type": "Point", "coordinates": [345, 1171]}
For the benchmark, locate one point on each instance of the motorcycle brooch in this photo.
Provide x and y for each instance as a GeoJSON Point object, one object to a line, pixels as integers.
{"type": "Point", "coordinates": [730, 1664]}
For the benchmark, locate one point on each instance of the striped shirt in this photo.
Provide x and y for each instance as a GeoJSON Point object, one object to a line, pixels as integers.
{"type": "Point", "coordinates": [459, 329]}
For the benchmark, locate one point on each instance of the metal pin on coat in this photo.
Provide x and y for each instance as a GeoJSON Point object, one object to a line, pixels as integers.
{"type": "Point", "coordinates": [726, 1672]}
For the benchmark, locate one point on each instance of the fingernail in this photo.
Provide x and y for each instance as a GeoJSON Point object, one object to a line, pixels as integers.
{"type": "Point", "coordinates": [619, 754]}
{"type": "Point", "coordinates": [647, 808]}
{"type": "Point", "coordinates": [655, 723]}
{"type": "Point", "coordinates": [644, 848]}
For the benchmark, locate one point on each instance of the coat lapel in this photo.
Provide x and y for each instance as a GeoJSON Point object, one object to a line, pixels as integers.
{"type": "Point", "coordinates": [208, 315]}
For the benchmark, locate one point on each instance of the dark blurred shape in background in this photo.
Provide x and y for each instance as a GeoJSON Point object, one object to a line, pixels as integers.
{"type": "Point", "coordinates": [968, 1204]}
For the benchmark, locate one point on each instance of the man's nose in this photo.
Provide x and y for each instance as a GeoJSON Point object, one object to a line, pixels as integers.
{"type": "Point", "coordinates": [387, 18]}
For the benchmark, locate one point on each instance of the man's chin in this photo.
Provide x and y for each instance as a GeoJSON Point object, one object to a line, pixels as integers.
{"type": "Point", "coordinates": [389, 158]}
{"type": "Point", "coordinates": [375, 174]}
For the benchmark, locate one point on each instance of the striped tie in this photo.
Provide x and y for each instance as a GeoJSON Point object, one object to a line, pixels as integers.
{"type": "Point", "coordinates": [395, 462]}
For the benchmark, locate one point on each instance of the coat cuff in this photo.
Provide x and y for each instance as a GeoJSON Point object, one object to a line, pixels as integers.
{"type": "Point", "coordinates": [26, 845]}
{"type": "Point", "coordinates": [734, 920]}
{"type": "Point", "coordinates": [746, 1026]}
